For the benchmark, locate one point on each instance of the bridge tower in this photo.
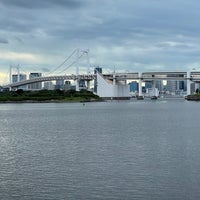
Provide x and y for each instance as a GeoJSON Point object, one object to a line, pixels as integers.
{"type": "Point", "coordinates": [18, 73]}
{"type": "Point", "coordinates": [16, 77]}
{"type": "Point", "coordinates": [88, 69]}
{"type": "Point", "coordinates": [78, 51]}
{"type": "Point", "coordinates": [17, 68]}
{"type": "Point", "coordinates": [77, 70]}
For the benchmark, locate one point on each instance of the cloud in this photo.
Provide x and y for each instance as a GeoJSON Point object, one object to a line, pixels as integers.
{"type": "Point", "coordinates": [3, 41]}
{"type": "Point", "coordinates": [154, 34]}
{"type": "Point", "coordinates": [45, 69]}
{"type": "Point", "coordinates": [13, 56]}
{"type": "Point", "coordinates": [38, 4]}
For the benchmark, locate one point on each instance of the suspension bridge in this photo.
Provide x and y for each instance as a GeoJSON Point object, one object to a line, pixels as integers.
{"type": "Point", "coordinates": [56, 74]}
{"type": "Point", "coordinates": [108, 85]}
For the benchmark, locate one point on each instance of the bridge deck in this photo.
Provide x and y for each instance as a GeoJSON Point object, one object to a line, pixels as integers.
{"type": "Point", "coordinates": [145, 76]}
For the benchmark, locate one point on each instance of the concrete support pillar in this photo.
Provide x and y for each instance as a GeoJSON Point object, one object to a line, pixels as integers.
{"type": "Point", "coordinates": [188, 83]}
{"type": "Point", "coordinates": [178, 85]}
{"type": "Point", "coordinates": [140, 84]}
{"type": "Point", "coordinates": [77, 84]}
{"type": "Point", "coordinates": [153, 88]}
{"type": "Point", "coordinates": [88, 85]}
{"type": "Point", "coordinates": [114, 79]}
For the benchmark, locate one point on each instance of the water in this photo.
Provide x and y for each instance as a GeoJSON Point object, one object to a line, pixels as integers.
{"type": "Point", "coordinates": [110, 150]}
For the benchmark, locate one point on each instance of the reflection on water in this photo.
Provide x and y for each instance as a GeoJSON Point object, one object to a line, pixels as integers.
{"type": "Point", "coordinates": [108, 150]}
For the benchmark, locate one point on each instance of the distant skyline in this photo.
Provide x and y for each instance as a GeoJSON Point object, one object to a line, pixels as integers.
{"type": "Point", "coordinates": [136, 35]}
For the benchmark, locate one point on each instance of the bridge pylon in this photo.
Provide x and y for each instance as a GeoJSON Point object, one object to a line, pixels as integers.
{"type": "Point", "coordinates": [78, 51]}
{"type": "Point", "coordinates": [11, 74]}
{"type": "Point", "coordinates": [77, 70]}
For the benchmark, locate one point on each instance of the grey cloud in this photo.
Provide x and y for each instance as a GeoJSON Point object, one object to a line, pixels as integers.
{"type": "Point", "coordinates": [45, 69]}
{"type": "Point", "coordinates": [146, 30]}
{"type": "Point", "coordinates": [3, 41]}
{"type": "Point", "coordinates": [37, 4]}
{"type": "Point", "coordinates": [18, 39]}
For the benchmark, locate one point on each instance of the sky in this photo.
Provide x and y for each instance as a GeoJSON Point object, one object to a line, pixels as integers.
{"type": "Point", "coordinates": [121, 35]}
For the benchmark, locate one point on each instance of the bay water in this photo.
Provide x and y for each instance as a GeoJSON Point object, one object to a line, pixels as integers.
{"type": "Point", "coordinates": [120, 150]}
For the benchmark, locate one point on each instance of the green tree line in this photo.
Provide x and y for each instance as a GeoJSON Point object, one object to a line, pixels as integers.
{"type": "Point", "coordinates": [48, 95]}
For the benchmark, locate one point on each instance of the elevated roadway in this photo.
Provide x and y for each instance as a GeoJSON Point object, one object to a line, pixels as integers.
{"type": "Point", "coordinates": [193, 76]}
{"type": "Point", "coordinates": [149, 76]}
{"type": "Point", "coordinates": [50, 78]}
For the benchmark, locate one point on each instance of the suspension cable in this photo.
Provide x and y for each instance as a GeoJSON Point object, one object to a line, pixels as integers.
{"type": "Point", "coordinates": [70, 64]}
{"type": "Point", "coordinates": [62, 63]}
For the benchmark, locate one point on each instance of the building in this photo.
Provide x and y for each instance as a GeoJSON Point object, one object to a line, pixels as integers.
{"type": "Point", "coordinates": [59, 85]}
{"type": "Point", "coordinates": [97, 69]}
{"type": "Point", "coordinates": [133, 86]}
{"type": "Point", "coordinates": [172, 86]}
{"type": "Point", "coordinates": [112, 89]}
{"type": "Point", "coordinates": [159, 85]}
{"type": "Point", "coordinates": [183, 85]}
{"type": "Point", "coordinates": [37, 85]}
{"type": "Point", "coordinates": [17, 78]}
{"type": "Point", "coordinates": [48, 85]}
{"type": "Point", "coordinates": [82, 85]}
{"type": "Point", "coordinates": [67, 86]}
{"type": "Point", "coordinates": [148, 84]}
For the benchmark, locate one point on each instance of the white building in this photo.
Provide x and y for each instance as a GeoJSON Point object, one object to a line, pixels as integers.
{"type": "Point", "coordinates": [152, 92]}
{"type": "Point", "coordinates": [112, 89]}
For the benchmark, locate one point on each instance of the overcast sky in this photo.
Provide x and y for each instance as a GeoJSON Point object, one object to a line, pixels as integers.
{"type": "Point", "coordinates": [128, 35]}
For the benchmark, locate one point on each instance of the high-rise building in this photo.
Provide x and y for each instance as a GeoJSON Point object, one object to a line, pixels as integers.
{"type": "Point", "coordinates": [183, 85]}
{"type": "Point", "coordinates": [133, 86]}
{"type": "Point", "coordinates": [21, 77]}
{"type": "Point", "coordinates": [148, 84]}
{"type": "Point", "coordinates": [67, 85]}
{"type": "Point", "coordinates": [159, 85]}
{"type": "Point", "coordinates": [97, 69]}
{"type": "Point", "coordinates": [37, 85]}
{"type": "Point", "coordinates": [48, 85]}
{"type": "Point", "coordinates": [172, 86]}
{"type": "Point", "coordinates": [59, 85]}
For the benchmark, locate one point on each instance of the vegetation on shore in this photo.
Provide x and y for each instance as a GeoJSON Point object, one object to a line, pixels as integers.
{"type": "Point", "coordinates": [48, 96]}
{"type": "Point", "coordinates": [194, 97]}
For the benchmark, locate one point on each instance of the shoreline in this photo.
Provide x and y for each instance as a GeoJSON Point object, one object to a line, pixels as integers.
{"type": "Point", "coordinates": [193, 97]}
{"type": "Point", "coordinates": [51, 101]}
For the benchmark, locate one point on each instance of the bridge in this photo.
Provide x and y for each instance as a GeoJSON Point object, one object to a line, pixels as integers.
{"type": "Point", "coordinates": [115, 78]}
{"type": "Point", "coordinates": [107, 83]}
{"type": "Point", "coordinates": [50, 78]}
{"type": "Point", "coordinates": [189, 77]}
{"type": "Point", "coordinates": [150, 76]}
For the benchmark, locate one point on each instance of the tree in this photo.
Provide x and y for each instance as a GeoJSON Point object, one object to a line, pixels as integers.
{"type": "Point", "coordinates": [20, 92]}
